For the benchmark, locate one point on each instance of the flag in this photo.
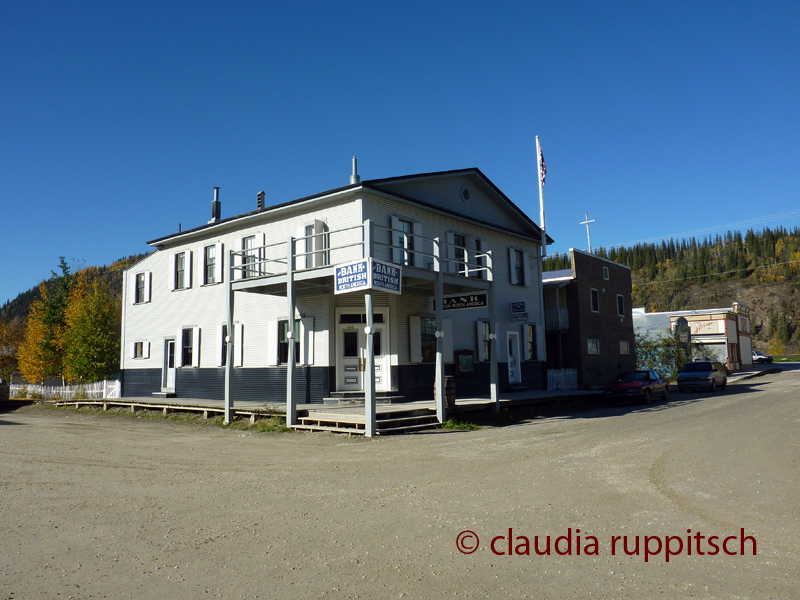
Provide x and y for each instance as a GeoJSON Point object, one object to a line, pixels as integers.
{"type": "Point", "coordinates": [542, 166]}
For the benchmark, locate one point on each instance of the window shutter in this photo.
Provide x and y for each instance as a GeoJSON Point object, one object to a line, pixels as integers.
{"type": "Point", "coordinates": [238, 344]}
{"type": "Point", "coordinates": [179, 348]}
{"type": "Point", "coordinates": [262, 254]}
{"type": "Point", "coordinates": [526, 261]}
{"type": "Point", "coordinates": [148, 276]}
{"type": "Point", "coordinates": [397, 254]}
{"type": "Point", "coordinates": [415, 339]}
{"type": "Point", "coordinates": [173, 271]}
{"type": "Point", "coordinates": [272, 343]}
{"type": "Point", "coordinates": [451, 253]}
{"type": "Point", "coordinates": [469, 255]}
{"type": "Point", "coordinates": [512, 275]}
{"type": "Point", "coordinates": [130, 281]}
{"type": "Point", "coordinates": [220, 344]}
{"type": "Point", "coordinates": [189, 269]}
{"type": "Point", "coordinates": [447, 345]}
{"type": "Point", "coordinates": [195, 346]}
{"type": "Point", "coordinates": [237, 259]}
{"type": "Point", "coordinates": [219, 248]}
{"type": "Point", "coordinates": [419, 245]}
{"type": "Point", "coordinates": [301, 247]}
{"type": "Point", "coordinates": [146, 349]}
{"type": "Point", "coordinates": [526, 341]}
{"type": "Point", "coordinates": [307, 340]}
{"type": "Point", "coordinates": [133, 349]}
{"type": "Point", "coordinates": [479, 341]}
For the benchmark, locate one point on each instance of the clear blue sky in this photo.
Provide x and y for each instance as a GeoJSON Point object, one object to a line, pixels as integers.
{"type": "Point", "coordinates": [117, 119]}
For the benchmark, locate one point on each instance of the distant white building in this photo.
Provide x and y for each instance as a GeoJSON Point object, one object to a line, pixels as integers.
{"type": "Point", "coordinates": [724, 332]}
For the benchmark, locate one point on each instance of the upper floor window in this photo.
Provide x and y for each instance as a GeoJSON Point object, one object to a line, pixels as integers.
{"type": "Point", "coordinates": [405, 240]}
{"type": "Point", "coordinates": [249, 258]}
{"type": "Point", "coordinates": [480, 260]}
{"type": "Point", "coordinates": [593, 346]}
{"type": "Point", "coordinates": [517, 267]}
{"type": "Point", "coordinates": [140, 297]}
{"type": "Point", "coordinates": [605, 273]}
{"type": "Point", "coordinates": [180, 271]}
{"type": "Point", "coordinates": [209, 265]}
{"type": "Point", "coordinates": [620, 305]}
{"type": "Point", "coordinates": [595, 300]}
{"type": "Point", "coordinates": [460, 253]}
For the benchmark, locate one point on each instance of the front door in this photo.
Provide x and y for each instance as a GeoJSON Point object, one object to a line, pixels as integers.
{"type": "Point", "coordinates": [514, 372]}
{"type": "Point", "coordinates": [351, 353]}
{"type": "Point", "coordinates": [168, 371]}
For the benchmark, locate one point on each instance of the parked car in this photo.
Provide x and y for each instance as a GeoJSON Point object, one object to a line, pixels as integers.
{"type": "Point", "coordinates": [636, 386]}
{"type": "Point", "coordinates": [702, 374]}
{"type": "Point", "coordinates": [760, 357]}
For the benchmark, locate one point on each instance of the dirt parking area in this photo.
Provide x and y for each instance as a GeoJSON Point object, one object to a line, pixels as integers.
{"type": "Point", "coordinates": [120, 507]}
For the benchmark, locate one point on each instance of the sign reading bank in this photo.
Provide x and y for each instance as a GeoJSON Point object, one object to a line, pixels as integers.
{"type": "Point", "coordinates": [367, 274]}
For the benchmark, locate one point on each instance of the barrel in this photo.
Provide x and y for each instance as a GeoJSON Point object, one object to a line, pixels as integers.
{"type": "Point", "coordinates": [450, 391]}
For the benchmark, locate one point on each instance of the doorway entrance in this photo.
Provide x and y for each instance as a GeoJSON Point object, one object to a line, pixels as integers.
{"type": "Point", "coordinates": [514, 371]}
{"type": "Point", "coordinates": [168, 370]}
{"type": "Point", "coordinates": [351, 353]}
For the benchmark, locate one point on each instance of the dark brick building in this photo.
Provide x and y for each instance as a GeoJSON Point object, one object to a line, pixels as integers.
{"type": "Point", "coordinates": [588, 322]}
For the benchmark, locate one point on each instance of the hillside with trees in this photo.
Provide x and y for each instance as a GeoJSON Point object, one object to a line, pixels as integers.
{"type": "Point", "coordinates": [760, 269]}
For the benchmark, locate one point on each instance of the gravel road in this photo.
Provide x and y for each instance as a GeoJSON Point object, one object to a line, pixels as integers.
{"type": "Point", "coordinates": [119, 507]}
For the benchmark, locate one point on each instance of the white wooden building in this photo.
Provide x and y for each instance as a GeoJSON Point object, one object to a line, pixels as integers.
{"type": "Point", "coordinates": [227, 309]}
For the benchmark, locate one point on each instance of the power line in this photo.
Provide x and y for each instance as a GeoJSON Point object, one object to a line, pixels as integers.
{"type": "Point", "coordinates": [788, 262]}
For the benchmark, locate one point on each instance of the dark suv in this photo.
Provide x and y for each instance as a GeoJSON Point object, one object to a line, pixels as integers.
{"type": "Point", "coordinates": [702, 375]}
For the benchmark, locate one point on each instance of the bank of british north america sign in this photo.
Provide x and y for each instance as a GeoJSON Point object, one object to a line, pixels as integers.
{"type": "Point", "coordinates": [368, 274]}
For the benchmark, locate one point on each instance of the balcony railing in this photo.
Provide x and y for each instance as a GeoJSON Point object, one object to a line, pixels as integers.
{"type": "Point", "coordinates": [327, 248]}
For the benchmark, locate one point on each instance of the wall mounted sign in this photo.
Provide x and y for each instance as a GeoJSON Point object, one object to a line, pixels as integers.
{"type": "Point", "coordinates": [367, 274]}
{"type": "Point", "coordinates": [517, 307]}
{"type": "Point", "coordinates": [462, 301]}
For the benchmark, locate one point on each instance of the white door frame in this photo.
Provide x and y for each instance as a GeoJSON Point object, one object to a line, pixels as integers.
{"type": "Point", "coordinates": [167, 371]}
{"type": "Point", "coordinates": [344, 366]}
{"type": "Point", "coordinates": [514, 371]}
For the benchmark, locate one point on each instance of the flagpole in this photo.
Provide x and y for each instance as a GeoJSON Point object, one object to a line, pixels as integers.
{"type": "Point", "coordinates": [541, 196]}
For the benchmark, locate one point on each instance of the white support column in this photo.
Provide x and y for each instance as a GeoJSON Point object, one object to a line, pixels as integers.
{"type": "Point", "coordinates": [441, 405]}
{"type": "Point", "coordinates": [493, 378]}
{"type": "Point", "coordinates": [291, 400]}
{"type": "Point", "coordinates": [229, 341]}
{"type": "Point", "coordinates": [369, 356]}
{"type": "Point", "coordinates": [369, 368]}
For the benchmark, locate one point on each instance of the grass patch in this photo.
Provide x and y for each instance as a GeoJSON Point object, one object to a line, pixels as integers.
{"type": "Point", "coordinates": [460, 425]}
{"type": "Point", "coordinates": [266, 424]}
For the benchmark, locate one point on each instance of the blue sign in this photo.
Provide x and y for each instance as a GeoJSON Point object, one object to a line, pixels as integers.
{"type": "Point", "coordinates": [386, 276]}
{"type": "Point", "coordinates": [366, 274]}
{"type": "Point", "coordinates": [351, 277]}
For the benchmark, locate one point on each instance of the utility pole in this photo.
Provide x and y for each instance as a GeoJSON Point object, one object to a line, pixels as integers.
{"type": "Point", "coordinates": [586, 222]}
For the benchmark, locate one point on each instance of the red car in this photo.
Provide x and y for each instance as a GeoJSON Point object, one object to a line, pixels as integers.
{"type": "Point", "coordinates": [636, 386]}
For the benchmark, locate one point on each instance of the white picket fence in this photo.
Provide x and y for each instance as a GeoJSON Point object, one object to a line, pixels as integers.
{"type": "Point", "coordinates": [562, 379]}
{"type": "Point", "coordinates": [87, 391]}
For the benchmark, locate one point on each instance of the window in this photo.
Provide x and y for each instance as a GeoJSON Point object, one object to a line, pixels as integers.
{"type": "Point", "coordinates": [139, 288]}
{"type": "Point", "coordinates": [180, 270]}
{"type": "Point", "coordinates": [209, 265]}
{"type": "Point", "coordinates": [531, 346]}
{"type": "Point", "coordinates": [480, 260]}
{"type": "Point", "coordinates": [187, 344]}
{"type": "Point", "coordinates": [624, 347]}
{"type": "Point", "coordinates": [605, 273]}
{"type": "Point", "coordinates": [406, 241]}
{"type": "Point", "coordinates": [460, 254]}
{"type": "Point", "coordinates": [595, 299]}
{"type": "Point", "coordinates": [593, 346]}
{"type": "Point", "coordinates": [517, 265]}
{"type": "Point", "coordinates": [283, 342]}
{"type": "Point", "coordinates": [428, 337]}
{"type": "Point", "coordinates": [249, 258]}
{"type": "Point", "coordinates": [620, 305]}
{"type": "Point", "coordinates": [138, 350]}
{"type": "Point", "coordinates": [223, 359]}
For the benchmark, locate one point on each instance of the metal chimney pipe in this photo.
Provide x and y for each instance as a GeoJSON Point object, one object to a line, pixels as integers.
{"type": "Point", "coordinates": [354, 178]}
{"type": "Point", "coordinates": [215, 207]}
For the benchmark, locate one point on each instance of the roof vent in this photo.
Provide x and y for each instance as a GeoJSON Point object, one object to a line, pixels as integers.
{"type": "Point", "coordinates": [215, 207]}
{"type": "Point", "coordinates": [465, 193]}
{"type": "Point", "coordinates": [354, 178]}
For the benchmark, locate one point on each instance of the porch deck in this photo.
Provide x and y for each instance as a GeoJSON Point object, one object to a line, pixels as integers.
{"type": "Point", "coordinates": [391, 418]}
